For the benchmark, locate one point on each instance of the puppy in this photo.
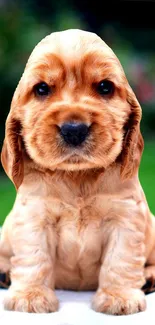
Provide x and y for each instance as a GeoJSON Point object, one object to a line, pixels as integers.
{"type": "Point", "coordinates": [72, 149]}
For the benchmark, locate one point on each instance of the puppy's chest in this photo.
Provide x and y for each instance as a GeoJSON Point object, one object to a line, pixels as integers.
{"type": "Point", "coordinates": [78, 211]}
{"type": "Point", "coordinates": [78, 228]}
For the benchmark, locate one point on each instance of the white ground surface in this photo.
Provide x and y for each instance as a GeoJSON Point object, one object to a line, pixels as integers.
{"type": "Point", "coordinates": [75, 310]}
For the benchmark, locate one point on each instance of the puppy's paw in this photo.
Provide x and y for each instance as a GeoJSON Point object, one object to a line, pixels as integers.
{"type": "Point", "coordinates": [121, 302]}
{"type": "Point", "coordinates": [32, 300]}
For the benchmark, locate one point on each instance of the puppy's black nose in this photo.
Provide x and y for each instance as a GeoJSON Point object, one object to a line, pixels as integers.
{"type": "Point", "coordinates": [74, 133]}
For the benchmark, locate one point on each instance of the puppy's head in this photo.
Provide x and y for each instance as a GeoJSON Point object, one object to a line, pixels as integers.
{"type": "Point", "coordinates": [73, 109]}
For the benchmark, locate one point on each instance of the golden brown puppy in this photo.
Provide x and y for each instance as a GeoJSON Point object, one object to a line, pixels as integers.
{"type": "Point", "coordinates": [73, 148]}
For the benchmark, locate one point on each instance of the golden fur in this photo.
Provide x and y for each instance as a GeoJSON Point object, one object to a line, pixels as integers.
{"type": "Point", "coordinates": [80, 220]}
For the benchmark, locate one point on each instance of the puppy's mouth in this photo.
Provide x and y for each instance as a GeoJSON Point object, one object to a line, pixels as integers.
{"type": "Point", "coordinates": [74, 159]}
{"type": "Point", "coordinates": [74, 162]}
{"type": "Point", "coordinates": [75, 156]}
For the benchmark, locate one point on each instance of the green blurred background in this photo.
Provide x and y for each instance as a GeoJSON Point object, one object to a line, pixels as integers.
{"type": "Point", "coordinates": [122, 24]}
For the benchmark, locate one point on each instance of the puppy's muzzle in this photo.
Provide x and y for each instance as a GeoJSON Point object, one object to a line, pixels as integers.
{"type": "Point", "coordinates": [74, 133]}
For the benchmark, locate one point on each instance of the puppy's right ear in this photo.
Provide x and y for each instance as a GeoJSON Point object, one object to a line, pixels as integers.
{"type": "Point", "coordinates": [11, 155]}
{"type": "Point", "coordinates": [133, 141]}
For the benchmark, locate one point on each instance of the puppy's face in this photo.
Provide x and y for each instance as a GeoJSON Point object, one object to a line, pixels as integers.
{"type": "Point", "coordinates": [72, 102]}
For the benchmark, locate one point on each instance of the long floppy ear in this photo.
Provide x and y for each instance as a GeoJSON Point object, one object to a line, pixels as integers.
{"type": "Point", "coordinates": [133, 141]}
{"type": "Point", "coordinates": [11, 155]}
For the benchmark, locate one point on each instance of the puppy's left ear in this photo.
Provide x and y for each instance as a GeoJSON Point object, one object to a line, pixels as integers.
{"type": "Point", "coordinates": [11, 155]}
{"type": "Point", "coordinates": [133, 143]}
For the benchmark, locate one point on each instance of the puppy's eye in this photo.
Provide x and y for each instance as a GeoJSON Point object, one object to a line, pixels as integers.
{"type": "Point", "coordinates": [105, 87]}
{"type": "Point", "coordinates": [42, 89]}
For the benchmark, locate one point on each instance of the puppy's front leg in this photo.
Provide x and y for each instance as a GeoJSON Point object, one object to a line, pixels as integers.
{"type": "Point", "coordinates": [32, 273]}
{"type": "Point", "coordinates": [122, 273]}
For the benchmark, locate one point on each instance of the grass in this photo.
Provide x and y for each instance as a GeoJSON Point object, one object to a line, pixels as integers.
{"type": "Point", "coordinates": [146, 175]}
{"type": "Point", "coordinates": [7, 196]}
